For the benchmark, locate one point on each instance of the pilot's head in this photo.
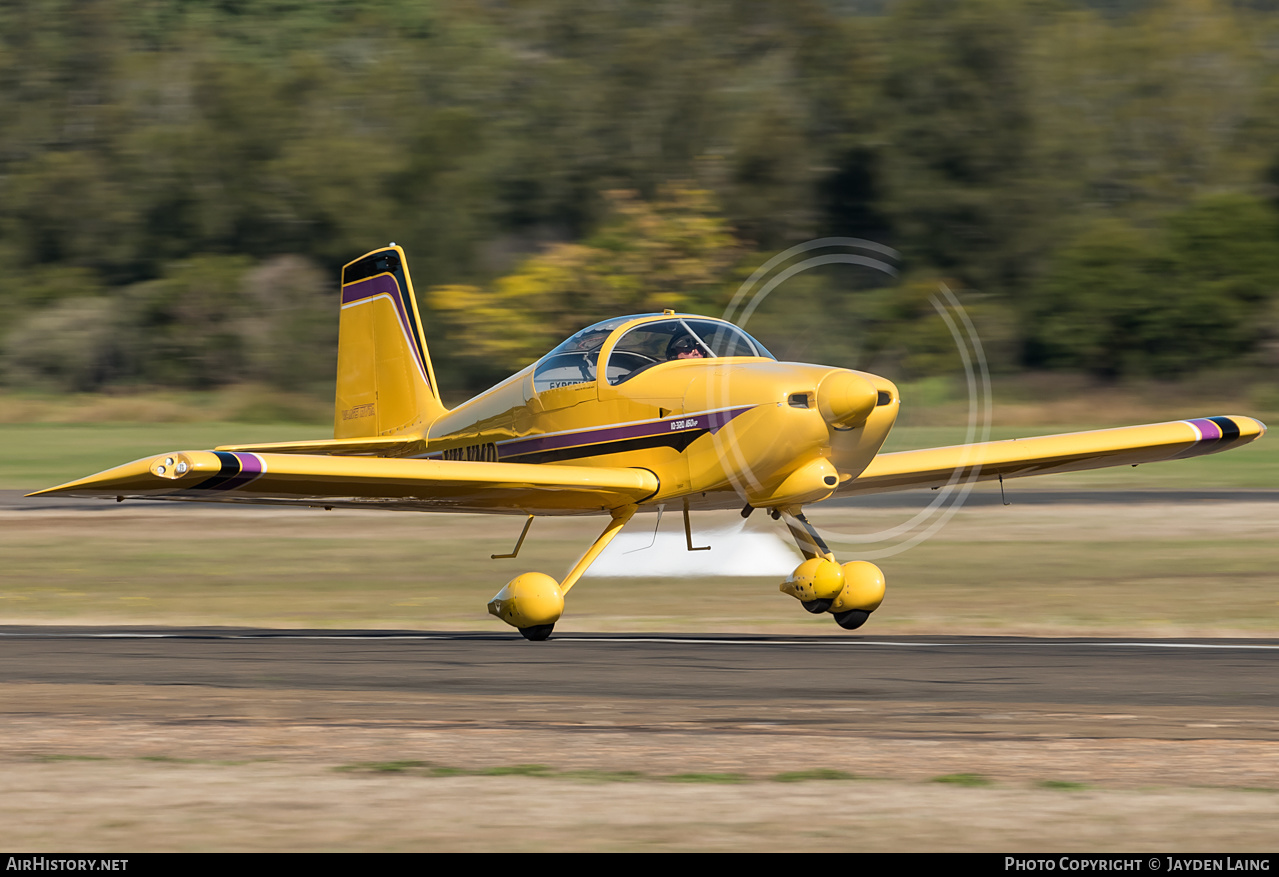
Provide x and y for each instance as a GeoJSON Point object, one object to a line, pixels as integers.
{"type": "Point", "coordinates": [683, 347]}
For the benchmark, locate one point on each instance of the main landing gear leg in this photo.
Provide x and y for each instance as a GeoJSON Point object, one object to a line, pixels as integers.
{"type": "Point", "coordinates": [849, 592]}
{"type": "Point", "coordinates": [533, 602]}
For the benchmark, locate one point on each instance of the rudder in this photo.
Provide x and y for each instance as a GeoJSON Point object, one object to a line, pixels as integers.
{"type": "Point", "coordinates": [385, 382]}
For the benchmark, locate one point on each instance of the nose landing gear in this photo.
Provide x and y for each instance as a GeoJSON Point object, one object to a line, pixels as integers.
{"type": "Point", "coordinates": [849, 592]}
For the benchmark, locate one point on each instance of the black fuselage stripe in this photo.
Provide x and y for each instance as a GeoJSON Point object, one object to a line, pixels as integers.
{"type": "Point", "coordinates": [677, 440]}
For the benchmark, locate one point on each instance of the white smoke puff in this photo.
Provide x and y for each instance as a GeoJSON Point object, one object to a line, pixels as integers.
{"type": "Point", "coordinates": [734, 553]}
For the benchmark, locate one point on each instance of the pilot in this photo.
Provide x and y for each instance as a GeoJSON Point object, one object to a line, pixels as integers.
{"type": "Point", "coordinates": [683, 347]}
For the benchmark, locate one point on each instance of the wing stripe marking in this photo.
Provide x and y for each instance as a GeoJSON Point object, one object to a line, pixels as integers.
{"type": "Point", "coordinates": [252, 467]}
{"type": "Point", "coordinates": [1209, 429]}
{"type": "Point", "coordinates": [1229, 429]}
{"type": "Point", "coordinates": [229, 469]}
{"type": "Point", "coordinates": [1215, 434]}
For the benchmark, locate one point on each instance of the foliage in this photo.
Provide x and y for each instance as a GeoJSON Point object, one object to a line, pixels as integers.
{"type": "Point", "coordinates": [957, 105]}
{"type": "Point", "coordinates": [1097, 170]}
{"type": "Point", "coordinates": [209, 320]}
{"type": "Point", "coordinates": [673, 252]}
{"type": "Point", "coordinates": [1118, 301]}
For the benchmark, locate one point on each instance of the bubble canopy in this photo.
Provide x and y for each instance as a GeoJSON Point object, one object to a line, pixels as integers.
{"type": "Point", "coordinates": [664, 338]}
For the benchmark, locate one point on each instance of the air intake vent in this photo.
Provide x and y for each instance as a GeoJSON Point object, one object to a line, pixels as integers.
{"type": "Point", "coordinates": [884, 398]}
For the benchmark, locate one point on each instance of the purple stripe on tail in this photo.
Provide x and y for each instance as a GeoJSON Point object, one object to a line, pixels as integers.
{"type": "Point", "coordinates": [385, 284]}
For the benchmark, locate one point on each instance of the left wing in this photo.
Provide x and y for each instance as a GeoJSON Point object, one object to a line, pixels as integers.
{"type": "Point", "coordinates": [1042, 455]}
{"type": "Point", "coordinates": [368, 482]}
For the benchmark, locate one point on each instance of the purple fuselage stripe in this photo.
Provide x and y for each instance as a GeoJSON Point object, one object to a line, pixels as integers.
{"type": "Point", "coordinates": [385, 283]}
{"type": "Point", "coordinates": [712, 422]}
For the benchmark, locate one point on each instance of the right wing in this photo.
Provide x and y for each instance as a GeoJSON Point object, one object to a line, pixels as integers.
{"type": "Point", "coordinates": [368, 482]}
{"type": "Point", "coordinates": [1042, 455]}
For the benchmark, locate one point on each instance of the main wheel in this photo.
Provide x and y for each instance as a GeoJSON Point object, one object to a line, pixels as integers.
{"type": "Point", "coordinates": [852, 619]}
{"type": "Point", "coordinates": [817, 607]}
{"type": "Point", "coordinates": [538, 633]}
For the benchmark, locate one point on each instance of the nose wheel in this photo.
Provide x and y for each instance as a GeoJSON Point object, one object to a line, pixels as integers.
{"type": "Point", "coordinates": [852, 619]}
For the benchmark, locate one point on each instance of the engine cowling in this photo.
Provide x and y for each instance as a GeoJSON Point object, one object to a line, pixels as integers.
{"type": "Point", "coordinates": [812, 482]}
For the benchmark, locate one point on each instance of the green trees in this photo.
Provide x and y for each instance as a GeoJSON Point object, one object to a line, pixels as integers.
{"type": "Point", "coordinates": [1197, 292]}
{"type": "Point", "coordinates": [673, 252]}
{"type": "Point", "coordinates": [1102, 178]}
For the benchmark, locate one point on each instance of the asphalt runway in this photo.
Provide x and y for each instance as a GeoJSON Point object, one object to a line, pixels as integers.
{"type": "Point", "coordinates": [781, 680]}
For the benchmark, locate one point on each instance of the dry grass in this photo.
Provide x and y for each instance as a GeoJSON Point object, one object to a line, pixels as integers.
{"type": "Point", "coordinates": [245, 404]}
{"type": "Point", "coordinates": [1152, 569]}
{"type": "Point", "coordinates": [248, 783]}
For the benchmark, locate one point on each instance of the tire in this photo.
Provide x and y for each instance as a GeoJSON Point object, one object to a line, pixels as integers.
{"type": "Point", "coordinates": [852, 619]}
{"type": "Point", "coordinates": [537, 634]}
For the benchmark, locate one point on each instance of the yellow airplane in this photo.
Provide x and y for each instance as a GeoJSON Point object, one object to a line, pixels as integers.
{"type": "Point", "coordinates": [636, 412]}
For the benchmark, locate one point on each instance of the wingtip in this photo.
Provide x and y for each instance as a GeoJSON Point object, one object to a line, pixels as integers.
{"type": "Point", "coordinates": [1248, 426]}
{"type": "Point", "coordinates": [140, 476]}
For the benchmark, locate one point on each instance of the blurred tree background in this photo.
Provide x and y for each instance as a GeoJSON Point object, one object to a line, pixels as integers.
{"type": "Point", "coordinates": [181, 181]}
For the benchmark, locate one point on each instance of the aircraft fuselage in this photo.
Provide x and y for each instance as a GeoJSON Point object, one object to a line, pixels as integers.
{"type": "Point", "coordinates": [717, 431]}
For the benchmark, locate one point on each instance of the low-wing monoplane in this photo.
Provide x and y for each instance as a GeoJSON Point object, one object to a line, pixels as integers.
{"type": "Point", "coordinates": [645, 411]}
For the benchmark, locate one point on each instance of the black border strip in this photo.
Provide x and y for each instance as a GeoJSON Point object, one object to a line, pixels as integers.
{"type": "Point", "coordinates": [677, 440]}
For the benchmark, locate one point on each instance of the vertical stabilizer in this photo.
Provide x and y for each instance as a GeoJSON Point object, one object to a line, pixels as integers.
{"type": "Point", "coordinates": [385, 383]}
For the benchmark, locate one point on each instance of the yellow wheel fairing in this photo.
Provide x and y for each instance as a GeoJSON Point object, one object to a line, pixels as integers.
{"type": "Point", "coordinates": [815, 579]}
{"type": "Point", "coordinates": [863, 588]}
{"type": "Point", "coordinates": [529, 600]}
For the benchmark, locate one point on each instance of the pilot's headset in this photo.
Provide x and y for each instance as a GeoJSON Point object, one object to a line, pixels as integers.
{"type": "Point", "coordinates": [681, 344]}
